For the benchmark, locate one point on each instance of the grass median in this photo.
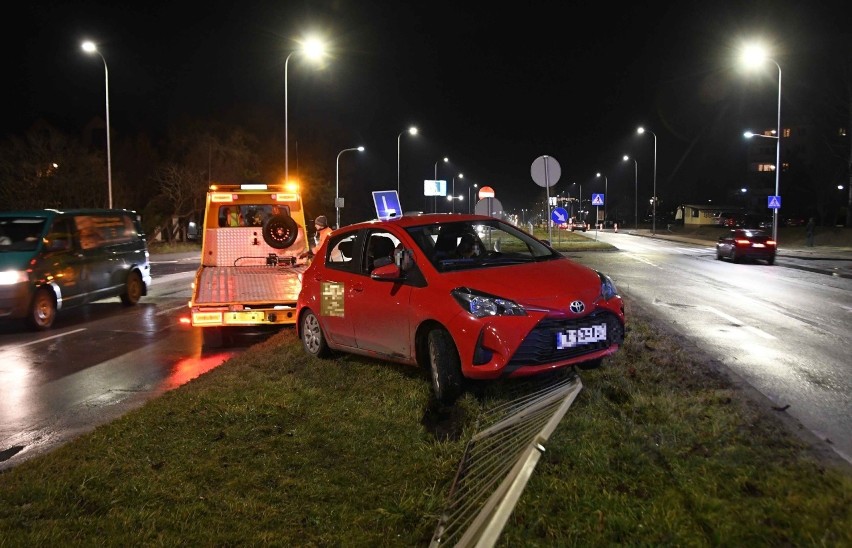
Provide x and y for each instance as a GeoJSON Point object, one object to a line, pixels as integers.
{"type": "Point", "coordinates": [276, 448]}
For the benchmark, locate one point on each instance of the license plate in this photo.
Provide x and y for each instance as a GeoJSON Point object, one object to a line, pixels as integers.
{"type": "Point", "coordinates": [244, 317]}
{"type": "Point", "coordinates": [572, 338]}
{"type": "Point", "coordinates": [757, 245]}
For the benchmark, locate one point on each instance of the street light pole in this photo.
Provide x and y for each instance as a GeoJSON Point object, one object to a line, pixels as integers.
{"type": "Point", "coordinates": [90, 47]}
{"type": "Point", "coordinates": [654, 197]}
{"type": "Point", "coordinates": [635, 190]}
{"type": "Point", "coordinates": [474, 185]}
{"type": "Point", "coordinates": [581, 198]}
{"type": "Point", "coordinates": [337, 185]}
{"type": "Point", "coordinates": [435, 198]}
{"type": "Point", "coordinates": [413, 131]}
{"type": "Point", "coordinates": [753, 55]}
{"type": "Point", "coordinates": [314, 49]}
{"type": "Point", "coordinates": [461, 176]}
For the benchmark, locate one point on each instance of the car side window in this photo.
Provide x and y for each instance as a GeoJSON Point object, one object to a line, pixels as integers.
{"type": "Point", "coordinates": [379, 250]}
{"type": "Point", "coordinates": [341, 252]}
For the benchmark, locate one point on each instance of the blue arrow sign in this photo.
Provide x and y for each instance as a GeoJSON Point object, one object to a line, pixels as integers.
{"type": "Point", "coordinates": [597, 199]}
{"type": "Point", "coordinates": [387, 204]}
{"type": "Point", "coordinates": [774, 202]}
{"type": "Point", "coordinates": [559, 215]}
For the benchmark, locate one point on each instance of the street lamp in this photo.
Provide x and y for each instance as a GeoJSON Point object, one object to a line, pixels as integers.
{"type": "Point", "coordinates": [435, 198]}
{"type": "Point", "coordinates": [337, 184]}
{"type": "Point", "coordinates": [90, 47]}
{"type": "Point", "coordinates": [641, 130]}
{"type": "Point", "coordinates": [313, 49]}
{"type": "Point", "coordinates": [606, 196]}
{"type": "Point", "coordinates": [581, 198]}
{"type": "Point", "coordinates": [474, 185]}
{"type": "Point", "coordinates": [461, 176]}
{"type": "Point", "coordinates": [754, 55]}
{"type": "Point", "coordinates": [413, 131]}
{"type": "Point", "coordinates": [635, 190]}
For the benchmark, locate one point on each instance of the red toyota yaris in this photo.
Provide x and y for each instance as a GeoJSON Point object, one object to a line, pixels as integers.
{"type": "Point", "coordinates": [463, 296]}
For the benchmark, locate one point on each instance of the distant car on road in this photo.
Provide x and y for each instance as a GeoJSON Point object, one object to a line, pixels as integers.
{"type": "Point", "coordinates": [578, 224]}
{"type": "Point", "coordinates": [462, 296]}
{"type": "Point", "coordinates": [743, 243]}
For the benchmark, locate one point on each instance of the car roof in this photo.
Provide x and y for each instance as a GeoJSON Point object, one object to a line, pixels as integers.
{"type": "Point", "coordinates": [407, 221]}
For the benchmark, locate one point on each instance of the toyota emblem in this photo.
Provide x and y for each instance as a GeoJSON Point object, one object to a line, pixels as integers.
{"type": "Point", "coordinates": [577, 307]}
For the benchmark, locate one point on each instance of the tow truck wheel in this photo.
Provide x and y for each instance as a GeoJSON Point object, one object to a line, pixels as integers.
{"type": "Point", "coordinates": [280, 231]}
{"type": "Point", "coordinates": [216, 337]}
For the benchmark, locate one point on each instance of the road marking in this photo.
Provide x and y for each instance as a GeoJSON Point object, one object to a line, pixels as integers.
{"type": "Point", "coordinates": [643, 260]}
{"type": "Point", "coordinates": [44, 339]}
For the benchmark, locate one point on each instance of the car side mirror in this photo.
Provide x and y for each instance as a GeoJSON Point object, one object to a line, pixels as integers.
{"type": "Point", "coordinates": [388, 272]}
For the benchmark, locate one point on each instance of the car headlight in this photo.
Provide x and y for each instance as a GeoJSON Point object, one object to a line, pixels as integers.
{"type": "Point", "coordinates": [11, 277]}
{"type": "Point", "coordinates": [482, 304]}
{"type": "Point", "coordinates": [608, 289]}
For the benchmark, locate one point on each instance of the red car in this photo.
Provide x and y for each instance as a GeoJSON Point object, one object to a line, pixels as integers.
{"type": "Point", "coordinates": [462, 296]}
{"type": "Point", "coordinates": [744, 243]}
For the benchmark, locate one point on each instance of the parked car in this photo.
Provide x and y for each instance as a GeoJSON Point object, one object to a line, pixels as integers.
{"type": "Point", "coordinates": [52, 260]}
{"type": "Point", "coordinates": [743, 243]}
{"type": "Point", "coordinates": [578, 224]}
{"type": "Point", "coordinates": [462, 296]}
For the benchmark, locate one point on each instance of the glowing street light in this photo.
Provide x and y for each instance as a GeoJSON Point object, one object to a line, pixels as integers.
{"type": "Point", "coordinates": [461, 176]}
{"type": "Point", "coordinates": [313, 49]}
{"type": "Point", "coordinates": [413, 131]}
{"type": "Point", "coordinates": [337, 203]}
{"type": "Point", "coordinates": [754, 55]}
{"type": "Point", "coordinates": [641, 130]}
{"type": "Point", "coordinates": [90, 47]}
{"type": "Point", "coordinates": [435, 198]}
{"type": "Point", "coordinates": [635, 190]}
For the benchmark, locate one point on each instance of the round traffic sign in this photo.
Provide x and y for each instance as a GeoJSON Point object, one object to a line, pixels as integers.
{"type": "Point", "coordinates": [545, 171]}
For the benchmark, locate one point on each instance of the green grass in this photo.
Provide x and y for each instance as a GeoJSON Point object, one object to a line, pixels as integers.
{"type": "Point", "coordinates": [276, 448]}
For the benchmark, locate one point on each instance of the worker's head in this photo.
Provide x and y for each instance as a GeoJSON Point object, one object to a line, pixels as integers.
{"type": "Point", "coordinates": [320, 222]}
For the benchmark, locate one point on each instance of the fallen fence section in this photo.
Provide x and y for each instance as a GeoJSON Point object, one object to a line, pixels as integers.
{"type": "Point", "coordinates": [499, 461]}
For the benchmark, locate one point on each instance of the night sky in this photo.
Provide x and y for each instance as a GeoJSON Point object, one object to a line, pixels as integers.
{"type": "Point", "coordinates": [492, 89]}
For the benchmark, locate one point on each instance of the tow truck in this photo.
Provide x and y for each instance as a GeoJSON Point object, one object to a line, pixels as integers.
{"type": "Point", "coordinates": [253, 243]}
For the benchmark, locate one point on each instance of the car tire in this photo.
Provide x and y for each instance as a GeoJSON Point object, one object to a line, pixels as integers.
{"type": "Point", "coordinates": [444, 366]}
{"type": "Point", "coordinates": [132, 289]}
{"type": "Point", "coordinates": [42, 309]}
{"type": "Point", "coordinates": [280, 231]}
{"type": "Point", "coordinates": [718, 255]}
{"type": "Point", "coordinates": [770, 261]}
{"type": "Point", "coordinates": [734, 257]}
{"type": "Point", "coordinates": [216, 337]}
{"type": "Point", "coordinates": [313, 339]}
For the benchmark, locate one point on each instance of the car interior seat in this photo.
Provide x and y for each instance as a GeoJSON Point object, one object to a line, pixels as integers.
{"type": "Point", "coordinates": [380, 252]}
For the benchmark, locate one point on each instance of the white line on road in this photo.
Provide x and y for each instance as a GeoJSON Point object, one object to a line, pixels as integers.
{"type": "Point", "coordinates": [44, 339]}
{"type": "Point", "coordinates": [643, 260]}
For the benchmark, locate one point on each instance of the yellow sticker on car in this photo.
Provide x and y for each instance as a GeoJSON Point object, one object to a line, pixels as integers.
{"type": "Point", "coordinates": [332, 299]}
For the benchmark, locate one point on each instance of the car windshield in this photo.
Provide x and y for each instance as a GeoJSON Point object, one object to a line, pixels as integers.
{"type": "Point", "coordinates": [460, 245]}
{"type": "Point", "coordinates": [20, 233]}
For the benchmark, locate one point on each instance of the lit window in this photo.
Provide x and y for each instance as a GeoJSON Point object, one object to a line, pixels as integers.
{"type": "Point", "coordinates": [765, 167]}
{"type": "Point", "coordinates": [786, 132]}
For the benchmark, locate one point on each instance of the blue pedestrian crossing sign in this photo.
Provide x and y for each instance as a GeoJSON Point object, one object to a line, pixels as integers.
{"type": "Point", "coordinates": [387, 204]}
{"type": "Point", "coordinates": [774, 202]}
{"type": "Point", "coordinates": [597, 199]}
{"type": "Point", "coordinates": [559, 215]}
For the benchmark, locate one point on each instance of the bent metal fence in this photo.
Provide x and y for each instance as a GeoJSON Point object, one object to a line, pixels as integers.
{"type": "Point", "coordinates": [499, 461]}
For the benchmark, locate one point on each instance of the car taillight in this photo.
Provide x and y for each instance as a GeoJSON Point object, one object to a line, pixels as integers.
{"type": "Point", "coordinates": [770, 242]}
{"type": "Point", "coordinates": [740, 241]}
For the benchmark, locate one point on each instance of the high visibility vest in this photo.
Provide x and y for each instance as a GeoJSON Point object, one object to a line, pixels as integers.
{"type": "Point", "coordinates": [234, 218]}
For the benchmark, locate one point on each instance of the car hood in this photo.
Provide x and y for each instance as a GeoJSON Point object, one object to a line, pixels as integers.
{"type": "Point", "coordinates": [548, 285]}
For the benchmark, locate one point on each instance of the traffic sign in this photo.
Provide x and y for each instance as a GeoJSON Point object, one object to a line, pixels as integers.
{"type": "Point", "coordinates": [545, 171]}
{"type": "Point", "coordinates": [774, 202]}
{"type": "Point", "coordinates": [559, 215]}
{"type": "Point", "coordinates": [387, 204]}
{"type": "Point", "coordinates": [597, 199]}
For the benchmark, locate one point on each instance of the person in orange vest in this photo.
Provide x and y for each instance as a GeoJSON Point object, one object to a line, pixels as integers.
{"type": "Point", "coordinates": [323, 230]}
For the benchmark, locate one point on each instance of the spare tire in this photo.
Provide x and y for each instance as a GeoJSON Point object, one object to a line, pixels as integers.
{"type": "Point", "coordinates": [280, 231]}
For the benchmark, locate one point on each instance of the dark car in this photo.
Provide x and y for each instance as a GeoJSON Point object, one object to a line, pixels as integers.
{"type": "Point", "coordinates": [745, 243]}
{"type": "Point", "coordinates": [463, 296]}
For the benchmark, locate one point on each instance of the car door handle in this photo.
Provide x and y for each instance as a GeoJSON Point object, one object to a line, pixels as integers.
{"type": "Point", "coordinates": [358, 288]}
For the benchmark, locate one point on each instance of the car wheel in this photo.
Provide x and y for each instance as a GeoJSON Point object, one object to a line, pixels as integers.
{"type": "Point", "coordinates": [734, 257]}
{"type": "Point", "coordinates": [216, 337]}
{"type": "Point", "coordinates": [718, 254]}
{"type": "Point", "coordinates": [313, 339]}
{"type": "Point", "coordinates": [444, 366]}
{"type": "Point", "coordinates": [771, 260]}
{"type": "Point", "coordinates": [280, 231]}
{"type": "Point", "coordinates": [132, 289]}
{"type": "Point", "coordinates": [42, 309]}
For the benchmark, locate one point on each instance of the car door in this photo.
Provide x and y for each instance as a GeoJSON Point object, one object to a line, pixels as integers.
{"type": "Point", "coordinates": [381, 308]}
{"type": "Point", "coordinates": [337, 283]}
{"type": "Point", "coordinates": [64, 263]}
